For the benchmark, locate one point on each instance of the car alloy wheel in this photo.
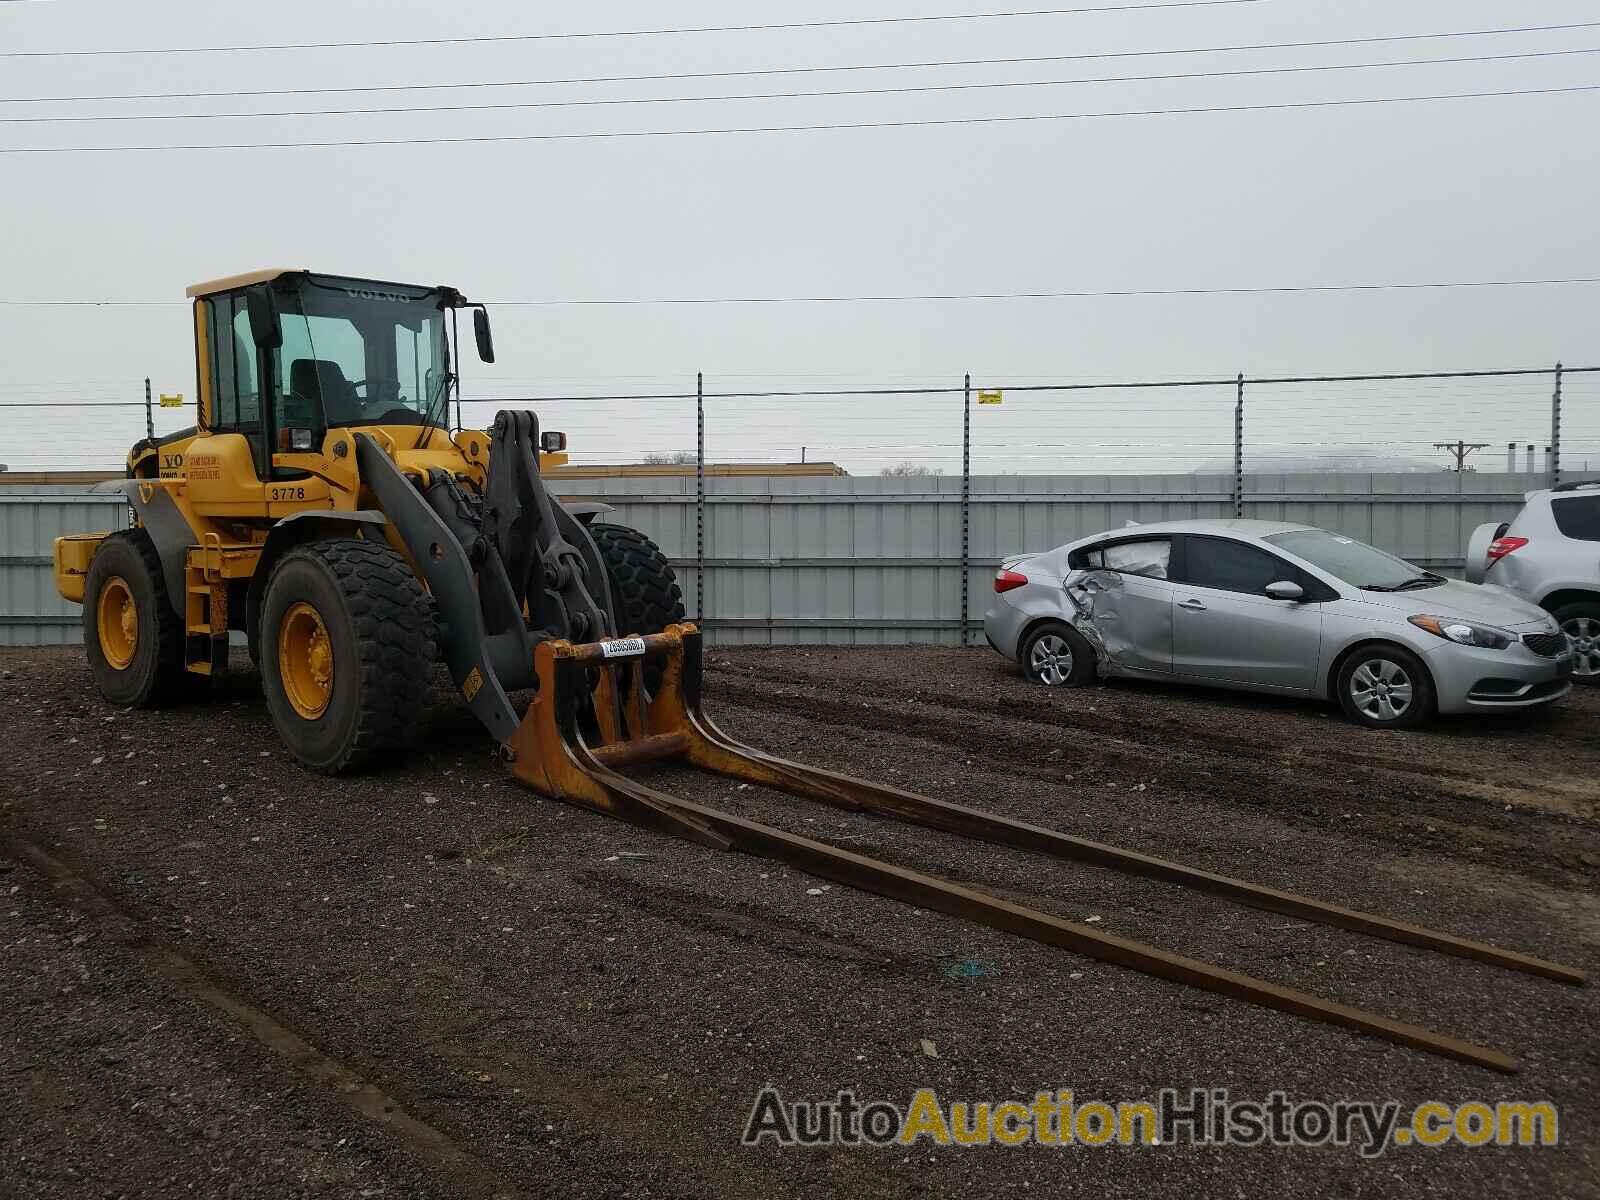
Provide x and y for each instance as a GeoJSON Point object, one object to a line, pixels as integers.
{"type": "Point", "coordinates": [1381, 689]}
{"type": "Point", "coordinates": [1051, 660]}
{"type": "Point", "coordinates": [1585, 635]}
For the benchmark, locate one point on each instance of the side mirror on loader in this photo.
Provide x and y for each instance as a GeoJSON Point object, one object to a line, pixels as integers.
{"type": "Point", "coordinates": [265, 327]}
{"type": "Point", "coordinates": [480, 331]}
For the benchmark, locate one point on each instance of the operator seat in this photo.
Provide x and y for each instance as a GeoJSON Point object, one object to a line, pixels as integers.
{"type": "Point", "coordinates": [322, 381]}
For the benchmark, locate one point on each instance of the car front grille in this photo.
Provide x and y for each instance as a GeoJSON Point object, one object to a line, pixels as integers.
{"type": "Point", "coordinates": [1551, 645]}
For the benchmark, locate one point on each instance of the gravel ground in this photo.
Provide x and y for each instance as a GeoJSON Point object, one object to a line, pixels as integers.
{"type": "Point", "coordinates": [558, 1018]}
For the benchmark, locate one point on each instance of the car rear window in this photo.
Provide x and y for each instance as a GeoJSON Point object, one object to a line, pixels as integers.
{"type": "Point", "coordinates": [1578, 517]}
{"type": "Point", "coordinates": [1143, 557]}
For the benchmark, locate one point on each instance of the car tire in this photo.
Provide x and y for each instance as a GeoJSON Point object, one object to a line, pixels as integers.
{"type": "Point", "coordinates": [1057, 655]}
{"type": "Point", "coordinates": [1581, 623]}
{"type": "Point", "coordinates": [1385, 687]}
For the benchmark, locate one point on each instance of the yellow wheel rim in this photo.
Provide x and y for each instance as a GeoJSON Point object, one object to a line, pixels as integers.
{"type": "Point", "coordinates": [305, 660]}
{"type": "Point", "coordinates": [117, 621]}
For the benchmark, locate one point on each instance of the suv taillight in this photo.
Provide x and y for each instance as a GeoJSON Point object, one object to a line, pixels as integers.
{"type": "Point", "coordinates": [1006, 580]}
{"type": "Point", "coordinates": [1503, 546]}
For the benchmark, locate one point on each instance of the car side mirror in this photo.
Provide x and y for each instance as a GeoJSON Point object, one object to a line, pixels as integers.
{"type": "Point", "coordinates": [266, 330]}
{"type": "Point", "coordinates": [1285, 589]}
{"type": "Point", "coordinates": [480, 332]}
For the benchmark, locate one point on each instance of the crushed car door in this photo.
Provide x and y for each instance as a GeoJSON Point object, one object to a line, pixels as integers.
{"type": "Point", "coordinates": [1130, 609]}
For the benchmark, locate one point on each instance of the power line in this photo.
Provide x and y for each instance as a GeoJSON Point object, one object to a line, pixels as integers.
{"type": "Point", "coordinates": [628, 33]}
{"type": "Point", "coordinates": [1084, 295]}
{"type": "Point", "coordinates": [890, 66]}
{"type": "Point", "coordinates": [833, 126]}
{"type": "Point", "coordinates": [881, 91]}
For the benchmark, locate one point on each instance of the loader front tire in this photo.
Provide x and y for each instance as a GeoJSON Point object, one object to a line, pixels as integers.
{"type": "Point", "coordinates": [346, 651]}
{"type": "Point", "coordinates": [644, 591]}
{"type": "Point", "coordinates": [131, 632]}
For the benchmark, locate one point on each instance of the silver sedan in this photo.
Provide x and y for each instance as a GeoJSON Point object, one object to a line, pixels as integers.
{"type": "Point", "coordinates": [1271, 607]}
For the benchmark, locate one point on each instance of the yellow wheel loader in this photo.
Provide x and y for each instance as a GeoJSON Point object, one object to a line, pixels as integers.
{"type": "Point", "coordinates": [322, 506]}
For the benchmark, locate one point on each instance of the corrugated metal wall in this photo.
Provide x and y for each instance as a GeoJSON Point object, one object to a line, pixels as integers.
{"type": "Point", "coordinates": [872, 560]}
{"type": "Point", "coordinates": [878, 560]}
{"type": "Point", "coordinates": [31, 614]}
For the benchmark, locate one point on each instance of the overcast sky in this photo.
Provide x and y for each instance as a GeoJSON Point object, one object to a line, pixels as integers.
{"type": "Point", "coordinates": [1445, 190]}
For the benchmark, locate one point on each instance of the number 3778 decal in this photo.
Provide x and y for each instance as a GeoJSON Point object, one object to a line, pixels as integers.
{"type": "Point", "coordinates": [288, 493]}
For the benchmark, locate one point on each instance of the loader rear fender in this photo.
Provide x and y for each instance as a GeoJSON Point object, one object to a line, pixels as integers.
{"type": "Point", "coordinates": [294, 530]}
{"type": "Point", "coordinates": [168, 529]}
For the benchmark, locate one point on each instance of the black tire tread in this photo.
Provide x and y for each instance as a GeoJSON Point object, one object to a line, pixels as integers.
{"type": "Point", "coordinates": [394, 633]}
{"type": "Point", "coordinates": [171, 681]}
{"type": "Point", "coordinates": [644, 589]}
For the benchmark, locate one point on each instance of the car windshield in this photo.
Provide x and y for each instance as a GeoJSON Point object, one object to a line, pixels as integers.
{"type": "Point", "coordinates": [1354, 562]}
{"type": "Point", "coordinates": [362, 352]}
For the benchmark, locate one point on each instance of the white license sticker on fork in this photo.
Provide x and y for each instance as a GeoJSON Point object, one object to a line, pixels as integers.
{"type": "Point", "coordinates": [628, 647]}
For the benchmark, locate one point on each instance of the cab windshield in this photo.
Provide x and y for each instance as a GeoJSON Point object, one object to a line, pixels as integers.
{"type": "Point", "coordinates": [356, 352]}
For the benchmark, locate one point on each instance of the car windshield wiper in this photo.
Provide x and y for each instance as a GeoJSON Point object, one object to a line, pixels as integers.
{"type": "Point", "coordinates": [1426, 579]}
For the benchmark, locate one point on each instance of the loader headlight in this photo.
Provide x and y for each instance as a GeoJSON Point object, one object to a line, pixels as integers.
{"type": "Point", "coordinates": [552, 443]}
{"type": "Point", "coordinates": [298, 440]}
{"type": "Point", "coordinates": [1465, 633]}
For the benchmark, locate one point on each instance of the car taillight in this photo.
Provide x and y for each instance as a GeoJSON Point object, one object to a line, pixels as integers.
{"type": "Point", "coordinates": [1007, 580]}
{"type": "Point", "coordinates": [1503, 546]}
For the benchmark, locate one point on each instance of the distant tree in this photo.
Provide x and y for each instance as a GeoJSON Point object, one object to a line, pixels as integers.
{"type": "Point", "coordinates": [909, 469]}
{"type": "Point", "coordinates": [668, 458]}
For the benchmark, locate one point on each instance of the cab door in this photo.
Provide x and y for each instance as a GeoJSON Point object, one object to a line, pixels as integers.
{"type": "Point", "coordinates": [229, 458]}
{"type": "Point", "coordinates": [1226, 629]}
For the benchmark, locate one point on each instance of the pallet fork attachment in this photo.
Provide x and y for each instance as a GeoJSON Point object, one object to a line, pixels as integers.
{"type": "Point", "coordinates": [593, 716]}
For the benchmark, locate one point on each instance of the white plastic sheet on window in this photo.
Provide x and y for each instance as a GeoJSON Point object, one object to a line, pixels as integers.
{"type": "Point", "coordinates": [1140, 558]}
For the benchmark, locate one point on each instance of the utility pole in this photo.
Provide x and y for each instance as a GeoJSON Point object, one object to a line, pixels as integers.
{"type": "Point", "coordinates": [1460, 450]}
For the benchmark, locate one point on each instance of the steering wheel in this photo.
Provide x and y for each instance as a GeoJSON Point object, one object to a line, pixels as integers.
{"type": "Point", "coordinates": [379, 391]}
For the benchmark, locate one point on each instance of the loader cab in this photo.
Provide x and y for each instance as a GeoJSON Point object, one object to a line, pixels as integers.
{"type": "Point", "coordinates": [284, 356]}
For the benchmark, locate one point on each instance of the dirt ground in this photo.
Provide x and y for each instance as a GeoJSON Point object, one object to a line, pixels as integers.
{"type": "Point", "coordinates": [223, 976]}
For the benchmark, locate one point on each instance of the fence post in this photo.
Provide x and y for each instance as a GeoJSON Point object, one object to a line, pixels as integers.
{"type": "Point", "coordinates": [966, 499]}
{"type": "Point", "coordinates": [149, 416]}
{"type": "Point", "coordinates": [1238, 449]}
{"type": "Point", "coordinates": [700, 497]}
{"type": "Point", "coordinates": [1555, 431]}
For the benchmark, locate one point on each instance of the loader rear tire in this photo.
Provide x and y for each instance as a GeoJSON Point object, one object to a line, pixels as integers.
{"type": "Point", "coordinates": [347, 650]}
{"type": "Point", "coordinates": [131, 632]}
{"type": "Point", "coordinates": [644, 590]}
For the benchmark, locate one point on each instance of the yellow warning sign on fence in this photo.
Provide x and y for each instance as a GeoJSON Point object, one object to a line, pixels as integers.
{"type": "Point", "coordinates": [172, 401]}
{"type": "Point", "coordinates": [991, 396]}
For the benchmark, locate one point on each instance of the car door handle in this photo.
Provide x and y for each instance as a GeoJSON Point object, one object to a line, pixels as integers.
{"type": "Point", "coordinates": [1192, 605]}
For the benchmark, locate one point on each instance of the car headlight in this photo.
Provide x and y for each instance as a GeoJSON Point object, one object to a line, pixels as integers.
{"type": "Point", "coordinates": [1466, 633]}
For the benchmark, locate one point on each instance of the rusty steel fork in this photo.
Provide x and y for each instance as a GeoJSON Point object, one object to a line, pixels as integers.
{"type": "Point", "coordinates": [594, 714]}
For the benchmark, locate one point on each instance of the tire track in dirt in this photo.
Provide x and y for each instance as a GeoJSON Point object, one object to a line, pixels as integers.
{"type": "Point", "coordinates": [1391, 809]}
{"type": "Point", "coordinates": [470, 1174]}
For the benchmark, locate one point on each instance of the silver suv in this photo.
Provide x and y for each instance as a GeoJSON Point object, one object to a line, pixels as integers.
{"type": "Point", "coordinates": [1550, 554]}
